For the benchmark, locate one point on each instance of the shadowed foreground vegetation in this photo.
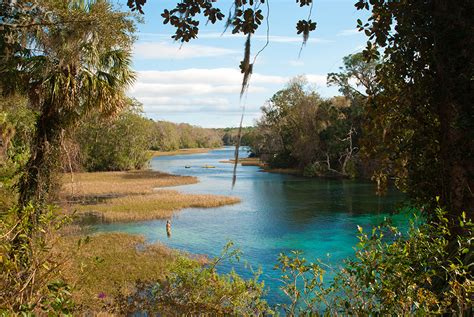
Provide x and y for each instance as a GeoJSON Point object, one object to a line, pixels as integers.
{"type": "Point", "coordinates": [101, 265]}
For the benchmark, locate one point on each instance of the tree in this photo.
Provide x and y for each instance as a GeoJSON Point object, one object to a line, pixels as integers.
{"type": "Point", "coordinates": [70, 58]}
{"type": "Point", "coordinates": [424, 111]}
{"type": "Point", "coordinates": [299, 129]}
{"type": "Point", "coordinates": [115, 144]}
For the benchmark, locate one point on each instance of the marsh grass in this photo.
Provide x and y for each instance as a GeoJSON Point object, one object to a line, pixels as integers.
{"type": "Point", "coordinates": [110, 184]}
{"type": "Point", "coordinates": [160, 205]}
{"type": "Point", "coordinates": [255, 161]}
{"type": "Point", "coordinates": [108, 261]}
{"type": "Point", "coordinates": [133, 196]}
{"type": "Point", "coordinates": [246, 161]}
{"type": "Point", "coordinates": [181, 152]}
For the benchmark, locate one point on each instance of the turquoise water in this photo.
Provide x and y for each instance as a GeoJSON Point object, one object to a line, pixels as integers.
{"type": "Point", "coordinates": [278, 213]}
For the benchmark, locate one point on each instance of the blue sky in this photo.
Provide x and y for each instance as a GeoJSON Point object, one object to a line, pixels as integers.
{"type": "Point", "coordinates": [199, 82]}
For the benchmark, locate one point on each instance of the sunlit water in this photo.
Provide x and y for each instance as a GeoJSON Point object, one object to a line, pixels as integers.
{"type": "Point", "coordinates": [278, 213]}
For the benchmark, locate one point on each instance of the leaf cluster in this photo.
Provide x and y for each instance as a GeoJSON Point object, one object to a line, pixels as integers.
{"type": "Point", "coordinates": [191, 288]}
{"type": "Point", "coordinates": [29, 271]}
{"type": "Point", "coordinates": [427, 271]}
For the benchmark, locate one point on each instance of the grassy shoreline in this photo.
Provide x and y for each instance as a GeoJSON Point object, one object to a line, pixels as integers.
{"type": "Point", "coordinates": [112, 262]}
{"type": "Point", "coordinates": [181, 152]}
{"type": "Point", "coordinates": [255, 161]}
{"type": "Point", "coordinates": [133, 196]}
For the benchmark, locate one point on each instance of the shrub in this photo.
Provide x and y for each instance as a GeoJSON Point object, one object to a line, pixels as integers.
{"type": "Point", "coordinates": [428, 271]}
{"type": "Point", "coordinates": [29, 272]}
{"type": "Point", "coordinates": [191, 288]}
{"type": "Point", "coordinates": [116, 145]}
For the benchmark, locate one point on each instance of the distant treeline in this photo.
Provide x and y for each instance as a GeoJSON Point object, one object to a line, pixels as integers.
{"type": "Point", "coordinates": [169, 136]}
{"type": "Point", "coordinates": [230, 135]}
{"type": "Point", "coordinates": [124, 142]}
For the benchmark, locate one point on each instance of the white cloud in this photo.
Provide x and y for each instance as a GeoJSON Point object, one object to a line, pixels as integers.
{"type": "Point", "coordinates": [348, 32]}
{"type": "Point", "coordinates": [296, 63]}
{"type": "Point", "coordinates": [177, 104]}
{"type": "Point", "coordinates": [203, 89]}
{"type": "Point", "coordinates": [317, 79]}
{"type": "Point", "coordinates": [228, 35]}
{"type": "Point", "coordinates": [291, 39]}
{"type": "Point", "coordinates": [164, 50]}
{"type": "Point", "coordinates": [186, 89]}
{"type": "Point", "coordinates": [216, 76]}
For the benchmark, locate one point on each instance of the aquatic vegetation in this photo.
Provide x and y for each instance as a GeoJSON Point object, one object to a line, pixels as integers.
{"type": "Point", "coordinates": [133, 195]}
{"type": "Point", "coordinates": [83, 185]}
{"type": "Point", "coordinates": [160, 205]}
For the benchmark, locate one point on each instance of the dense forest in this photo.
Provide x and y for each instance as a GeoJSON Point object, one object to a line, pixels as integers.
{"type": "Point", "coordinates": [320, 137]}
{"type": "Point", "coordinates": [405, 113]}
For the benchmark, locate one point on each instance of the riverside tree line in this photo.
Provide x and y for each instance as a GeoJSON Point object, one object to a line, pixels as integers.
{"type": "Point", "coordinates": [69, 64]}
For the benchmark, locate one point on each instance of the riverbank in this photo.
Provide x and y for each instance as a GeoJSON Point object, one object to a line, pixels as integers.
{"type": "Point", "coordinates": [255, 161]}
{"type": "Point", "coordinates": [181, 152]}
{"type": "Point", "coordinates": [111, 263]}
{"type": "Point", "coordinates": [133, 196]}
{"type": "Point", "coordinates": [107, 263]}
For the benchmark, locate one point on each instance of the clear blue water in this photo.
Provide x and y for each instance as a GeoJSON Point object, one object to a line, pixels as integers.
{"type": "Point", "coordinates": [277, 213]}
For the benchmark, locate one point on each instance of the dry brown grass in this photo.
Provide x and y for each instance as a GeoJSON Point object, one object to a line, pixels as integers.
{"type": "Point", "coordinates": [248, 161]}
{"type": "Point", "coordinates": [160, 205]}
{"type": "Point", "coordinates": [109, 261]}
{"type": "Point", "coordinates": [119, 183]}
{"type": "Point", "coordinates": [130, 196]}
{"type": "Point", "coordinates": [255, 161]}
{"type": "Point", "coordinates": [181, 152]}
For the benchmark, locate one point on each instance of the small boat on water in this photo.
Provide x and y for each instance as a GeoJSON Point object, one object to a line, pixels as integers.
{"type": "Point", "coordinates": [187, 166]}
{"type": "Point", "coordinates": [208, 166]}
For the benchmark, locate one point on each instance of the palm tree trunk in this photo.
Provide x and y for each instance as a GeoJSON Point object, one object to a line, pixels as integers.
{"type": "Point", "coordinates": [37, 181]}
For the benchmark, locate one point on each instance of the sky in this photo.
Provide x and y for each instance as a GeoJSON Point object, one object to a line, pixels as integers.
{"type": "Point", "coordinates": [199, 82]}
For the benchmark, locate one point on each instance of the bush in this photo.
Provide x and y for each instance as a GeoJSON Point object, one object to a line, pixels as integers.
{"type": "Point", "coordinates": [29, 272]}
{"type": "Point", "coordinates": [315, 169]}
{"type": "Point", "coordinates": [119, 144]}
{"type": "Point", "coordinates": [191, 288]}
{"type": "Point", "coordinates": [429, 271]}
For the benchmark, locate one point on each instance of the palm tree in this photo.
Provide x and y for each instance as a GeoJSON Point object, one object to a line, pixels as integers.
{"type": "Point", "coordinates": [78, 62]}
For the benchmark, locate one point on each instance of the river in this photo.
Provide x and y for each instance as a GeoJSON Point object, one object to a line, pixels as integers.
{"type": "Point", "coordinates": [278, 213]}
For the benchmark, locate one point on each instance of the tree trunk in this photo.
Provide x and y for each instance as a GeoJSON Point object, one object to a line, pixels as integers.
{"type": "Point", "coordinates": [453, 63]}
{"type": "Point", "coordinates": [37, 180]}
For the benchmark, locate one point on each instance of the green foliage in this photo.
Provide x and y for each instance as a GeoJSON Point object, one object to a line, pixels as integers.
{"type": "Point", "coordinates": [70, 58]}
{"type": "Point", "coordinates": [115, 144]}
{"type": "Point", "coordinates": [169, 136]}
{"type": "Point", "coordinates": [300, 129]}
{"type": "Point", "coordinates": [302, 284]}
{"type": "Point", "coordinates": [429, 271]}
{"type": "Point", "coordinates": [191, 288]}
{"type": "Point", "coordinates": [422, 119]}
{"type": "Point", "coordinates": [229, 136]}
{"type": "Point", "coordinates": [16, 128]}
{"type": "Point", "coordinates": [29, 271]}
{"type": "Point", "coordinates": [245, 16]}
